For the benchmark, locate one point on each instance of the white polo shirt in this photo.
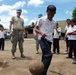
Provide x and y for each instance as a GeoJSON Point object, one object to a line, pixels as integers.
{"type": "Point", "coordinates": [46, 26]}
{"type": "Point", "coordinates": [71, 29]}
{"type": "Point", "coordinates": [2, 34]}
{"type": "Point", "coordinates": [56, 34]}
{"type": "Point", "coordinates": [66, 29]}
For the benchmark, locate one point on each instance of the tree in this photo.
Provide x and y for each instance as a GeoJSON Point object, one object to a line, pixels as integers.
{"type": "Point", "coordinates": [74, 14]}
{"type": "Point", "coordinates": [32, 24]}
{"type": "Point", "coordinates": [1, 25]}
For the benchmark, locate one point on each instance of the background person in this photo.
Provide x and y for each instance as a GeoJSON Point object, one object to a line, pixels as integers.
{"type": "Point", "coordinates": [72, 40]}
{"type": "Point", "coordinates": [56, 38]}
{"type": "Point", "coordinates": [36, 35]}
{"type": "Point", "coordinates": [17, 35]}
{"type": "Point", "coordinates": [66, 38]}
{"type": "Point", "coordinates": [2, 38]}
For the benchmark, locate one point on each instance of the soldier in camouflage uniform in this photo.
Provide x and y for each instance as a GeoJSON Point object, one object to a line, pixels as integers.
{"type": "Point", "coordinates": [17, 34]}
{"type": "Point", "coordinates": [36, 35]}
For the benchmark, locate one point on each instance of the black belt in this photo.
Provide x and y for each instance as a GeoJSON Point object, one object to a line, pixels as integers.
{"type": "Point", "coordinates": [17, 30]}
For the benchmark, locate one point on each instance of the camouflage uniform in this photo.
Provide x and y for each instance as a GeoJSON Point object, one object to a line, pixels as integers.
{"type": "Point", "coordinates": [37, 42]}
{"type": "Point", "coordinates": [36, 38]}
{"type": "Point", "coordinates": [17, 35]}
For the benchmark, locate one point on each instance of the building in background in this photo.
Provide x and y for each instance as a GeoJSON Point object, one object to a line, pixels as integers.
{"type": "Point", "coordinates": [30, 34]}
{"type": "Point", "coordinates": [62, 24]}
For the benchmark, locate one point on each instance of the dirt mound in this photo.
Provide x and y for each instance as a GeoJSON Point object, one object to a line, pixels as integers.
{"type": "Point", "coordinates": [2, 64]}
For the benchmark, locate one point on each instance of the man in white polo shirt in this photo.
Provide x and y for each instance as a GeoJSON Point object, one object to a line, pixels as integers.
{"type": "Point", "coordinates": [45, 28]}
{"type": "Point", "coordinates": [56, 36]}
{"type": "Point", "coordinates": [66, 38]}
{"type": "Point", "coordinates": [2, 38]}
{"type": "Point", "coordinates": [72, 40]}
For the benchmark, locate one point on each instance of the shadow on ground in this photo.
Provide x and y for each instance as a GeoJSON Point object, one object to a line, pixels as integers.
{"type": "Point", "coordinates": [56, 72]}
{"type": "Point", "coordinates": [26, 58]}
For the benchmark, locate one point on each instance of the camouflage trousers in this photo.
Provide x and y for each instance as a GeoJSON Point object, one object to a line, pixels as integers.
{"type": "Point", "coordinates": [17, 37]}
{"type": "Point", "coordinates": [37, 43]}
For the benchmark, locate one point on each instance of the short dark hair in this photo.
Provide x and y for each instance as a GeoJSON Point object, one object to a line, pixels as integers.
{"type": "Point", "coordinates": [72, 20]}
{"type": "Point", "coordinates": [51, 8]}
{"type": "Point", "coordinates": [68, 20]}
{"type": "Point", "coordinates": [57, 24]}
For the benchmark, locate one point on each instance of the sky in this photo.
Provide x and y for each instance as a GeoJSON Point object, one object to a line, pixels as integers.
{"type": "Point", "coordinates": [31, 9]}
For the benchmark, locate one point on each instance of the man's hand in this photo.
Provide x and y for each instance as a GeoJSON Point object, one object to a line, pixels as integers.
{"type": "Point", "coordinates": [56, 29]}
{"type": "Point", "coordinates": [11, 33]}
{"type": "Point", "coordinates": [43, 34]}
{"type": "Point", "coordinates": [64, 38]}
{"type": "Point", "coordinates": [10, 28]}
{"type": "Point", "coordinates": [70, 33]}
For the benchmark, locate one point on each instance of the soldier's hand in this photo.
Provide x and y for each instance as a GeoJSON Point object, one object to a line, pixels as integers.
{"type": "Point", "coordinates": [11, 33]}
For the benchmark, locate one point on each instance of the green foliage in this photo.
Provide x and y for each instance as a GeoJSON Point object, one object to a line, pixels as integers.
{"type": "Point", "coordinates": [74, 14]}
{"type": "Point", "coordinates": [29, 26]}
{"type": "Point", "coordinates": [1, 25]}
{"type": "Point", "coordinates": [32, 24]}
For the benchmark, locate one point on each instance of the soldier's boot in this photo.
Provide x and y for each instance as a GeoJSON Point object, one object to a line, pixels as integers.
{"type": "Point", "coordinates": [13, 55]}
{"type": "Point", "coordinates": [22, 55]}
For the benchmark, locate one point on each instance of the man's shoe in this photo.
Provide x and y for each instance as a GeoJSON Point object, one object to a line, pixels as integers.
{"type": "Point", "coordinates": [74, 62]}
{"type": "Point", "coordinates": [58, 53]}
{"type": "Point", "coordinates": [74, 59]}
{"type": "Point", "coordinates": [13, 57]}
{"type": "Point", "coordinates": [22, 55]}
{"type": "Point", "coordinates": [66, 52]}
{"type": "Point", "coordinates": [54, 52]}
{"type": "Point", "coordinates": [69, 57]}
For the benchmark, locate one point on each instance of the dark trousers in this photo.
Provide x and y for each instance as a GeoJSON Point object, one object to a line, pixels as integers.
{"type": "Point", "coordinates": [2, 44]}
{"type": "Point", "coordinates": [46, 54]}
{"type": "Point", "coordinates": [67, 42]}
{"type": "Point", "coordinates": [56, 45]}
{"type": "Point", "coordinates": [72, 46]}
